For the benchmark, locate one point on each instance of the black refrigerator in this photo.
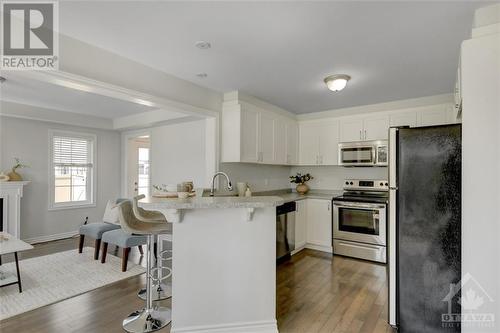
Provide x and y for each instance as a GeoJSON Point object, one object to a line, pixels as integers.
{"type": "Point", "coordinates": [424, 228]}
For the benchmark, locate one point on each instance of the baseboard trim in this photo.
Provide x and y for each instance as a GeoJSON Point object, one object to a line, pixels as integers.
{"type": "Point", "coordinates": [322, 248]}
{"type": "Point", "coordinates": [251, 327]}
{"type": "Point", "coordinates": [48, 238]}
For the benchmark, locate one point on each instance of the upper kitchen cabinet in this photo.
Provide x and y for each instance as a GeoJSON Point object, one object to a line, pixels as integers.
{"type": "Point", "coordinates": [351, 129]}
{"type": "Point", "coordinates": [376, 127]}
{"type": "Point", "coordinates": [267, 144]}
{"type": "Point", "coordinates": [292, 142]}
{"type": "Point", "coordinates": [435, 116]}
{"type": "Point", "coordinates": [403, 119]}
{"type": "Point", "coordinates": [250, 136]}
{"type": "Point", "coordinates": [318, 142]}
{"type": "Point", "coordinates": [254, 134]}
{"type": "Point", "coordinates": [364, 128]}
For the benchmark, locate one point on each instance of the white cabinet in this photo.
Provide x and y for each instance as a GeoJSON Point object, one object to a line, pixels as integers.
{"type": "Point", "coordinates": [408, 118]}
{"type": "Point", "coordinates": [308, 143]}
{"type": "Point", "coordinates": [351, 129]}
{"type": "Point", "coordinates": [266, 142]}
{"type": "Point", "coordinates": [250, 136]}
{"type": "Point", "coordinates": [376, 127]}
{"type": "Point", "coordinates": [292, 142]}
{"type": "Point", "coordinates": [356, 128]}
{"type": "Point", "coordinates": [300, 224]}
{"type": "Point", "coordinates": [319, 143]}
{"type": "Point", "coordinates": [319, 224]}
{"type": "Point", "coordinates": [437, 116]}
{"type": "Point", "coordinates": [280, 141]}
{"type": "Point", "coordinates": [254, 135]}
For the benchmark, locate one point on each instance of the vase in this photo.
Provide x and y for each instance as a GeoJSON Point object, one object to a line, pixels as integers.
{"type": "Point", "coordinates": [14, 176]}
{"type": "Point", "coordinates": [302, 188]}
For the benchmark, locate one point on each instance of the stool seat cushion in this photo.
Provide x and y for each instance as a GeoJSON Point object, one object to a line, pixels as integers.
{"type": "Point", "coordinates": [123, 239]}
{"type": "Point", "coordinates": [95, 230]}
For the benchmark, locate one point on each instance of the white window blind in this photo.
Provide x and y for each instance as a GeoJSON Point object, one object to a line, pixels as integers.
{"type": "Point", "coordinates": [72, 175]}
{"type": "Point", "coordinates": [71, 152]}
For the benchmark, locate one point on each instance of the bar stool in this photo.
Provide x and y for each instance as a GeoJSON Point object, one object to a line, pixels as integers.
{"type": "Point", "coordinates": [150, 318]}
{"type": "Point", "coordinates": [163, 290]}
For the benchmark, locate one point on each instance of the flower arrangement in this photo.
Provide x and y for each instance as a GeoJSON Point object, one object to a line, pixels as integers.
{"type": "Point", "coordinates": [18, 164]}
{"type": "Point", "coordinates": [300, 178]}
{"type": "Point", "coordinates": [13, 175]}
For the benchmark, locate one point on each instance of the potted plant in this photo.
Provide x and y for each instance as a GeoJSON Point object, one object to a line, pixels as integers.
{"type": "Point", "coordinates": [13, 175]}
{"type": "Point", "coordinates": [301, 180]}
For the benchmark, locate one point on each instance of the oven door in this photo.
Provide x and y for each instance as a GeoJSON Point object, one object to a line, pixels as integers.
{"type": "Point", "coordinates": [356, 154]}
{"type": "Point", "coordinates": [360, 222]}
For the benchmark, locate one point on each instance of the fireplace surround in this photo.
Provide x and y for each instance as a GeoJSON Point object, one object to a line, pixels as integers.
{"type": "Point", "coordinates": [11, 194]}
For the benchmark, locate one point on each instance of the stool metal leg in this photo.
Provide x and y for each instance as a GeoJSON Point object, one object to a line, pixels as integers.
{"type": "Point", "coordinates": [161, 290]}
{"type": "Point", "coordinates": [148, 319]}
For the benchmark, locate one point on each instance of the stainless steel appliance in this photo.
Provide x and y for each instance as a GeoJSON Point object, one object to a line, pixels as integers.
{"type": "Point", "coordinates": [285, 230]}
{"type": "Point", "coordinates": [359, 220]}
{"type": "Point", "coordinates": [424, 228]}
{"type": "Point", "coordinates": [365, 153]}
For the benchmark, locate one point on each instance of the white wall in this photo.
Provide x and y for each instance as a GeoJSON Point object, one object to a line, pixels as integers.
{"type": "Point", "coordinates": [332, 177]}
{"type": "Point", "coordinates": [259, 177]}
{"type": "Point", "coordinates": [28, 140]}
{"type": "Point", "coordinates": [480, 60]}
{"type": "Point", "coordinates": [178, 153]}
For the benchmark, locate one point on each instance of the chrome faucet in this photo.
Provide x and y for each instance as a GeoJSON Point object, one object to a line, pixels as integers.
{"type": "Point", "coordinates": [229, 186]}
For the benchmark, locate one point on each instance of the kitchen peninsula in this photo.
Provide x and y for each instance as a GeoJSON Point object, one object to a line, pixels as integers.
{"type": "Point", "coordinates": [224, 262]}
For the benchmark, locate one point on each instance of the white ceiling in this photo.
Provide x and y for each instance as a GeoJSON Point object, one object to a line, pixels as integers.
{"type": "Point", "coordinates": [281, 51]}
{"type": "Point", "coordinates": [18, 88]}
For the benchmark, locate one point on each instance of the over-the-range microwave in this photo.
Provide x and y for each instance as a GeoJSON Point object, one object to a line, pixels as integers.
{"type": "Point", "coordinates": [364, 153]}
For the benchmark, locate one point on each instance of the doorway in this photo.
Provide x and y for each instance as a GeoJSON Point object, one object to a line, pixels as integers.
{"type": "Point", "coordinates": [138, 166]}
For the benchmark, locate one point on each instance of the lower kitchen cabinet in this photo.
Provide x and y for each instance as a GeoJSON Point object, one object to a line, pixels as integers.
{"type": "Point", "coordinates": [313, 225]}
{"type": "Point", "coordinates": [300, 225]}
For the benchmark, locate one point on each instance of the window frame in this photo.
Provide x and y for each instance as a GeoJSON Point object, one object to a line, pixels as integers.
{"type": "Point", "coordinates": [91, 184]}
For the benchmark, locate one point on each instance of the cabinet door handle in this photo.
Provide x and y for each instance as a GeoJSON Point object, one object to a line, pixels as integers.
{"type": "Point", "coordinates": [365, 134]}
{"type": "Point", "coordinates": [360, 135]}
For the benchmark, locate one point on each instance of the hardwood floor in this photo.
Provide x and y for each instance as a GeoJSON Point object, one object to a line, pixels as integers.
{"type": "Point", "coordinates": [316, 292]}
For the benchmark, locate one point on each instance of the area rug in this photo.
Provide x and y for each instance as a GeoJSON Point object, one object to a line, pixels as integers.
{"type": "Point", "coordinates": [55, 277]}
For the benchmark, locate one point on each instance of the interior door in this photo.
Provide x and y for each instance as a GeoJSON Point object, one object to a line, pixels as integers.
{"type": "Point", "coordinates": [138, 167]}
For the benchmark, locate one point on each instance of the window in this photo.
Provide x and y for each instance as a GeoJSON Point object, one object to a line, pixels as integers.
{"type": "Point", "coordinates": [71, 170]}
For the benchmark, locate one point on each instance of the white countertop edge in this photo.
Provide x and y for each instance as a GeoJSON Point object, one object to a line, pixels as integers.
{"type": "Point", "coordinates": [153, 203]}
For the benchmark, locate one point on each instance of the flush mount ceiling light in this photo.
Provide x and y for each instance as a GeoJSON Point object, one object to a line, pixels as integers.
{"type": "Point", "coordinates": [337, 82]}
{"type": "Point", "coordinates": [201, 44]}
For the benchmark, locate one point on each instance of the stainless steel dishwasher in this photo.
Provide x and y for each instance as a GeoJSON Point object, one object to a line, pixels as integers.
{"type": "Point", "coordinates": [285, 230]}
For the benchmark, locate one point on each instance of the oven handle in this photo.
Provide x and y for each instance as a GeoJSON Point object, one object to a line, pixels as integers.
{"type": "Point", "coordinates": [357, 205]}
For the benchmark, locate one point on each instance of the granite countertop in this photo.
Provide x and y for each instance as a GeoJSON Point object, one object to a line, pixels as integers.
{"type": "Point", "coordinates": [153, 203]}
{"type": "Point", "coordinates": [287, 195]}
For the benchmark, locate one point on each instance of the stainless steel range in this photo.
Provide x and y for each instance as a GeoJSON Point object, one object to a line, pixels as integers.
{"type": "Point", "coordinates": [360, 220]}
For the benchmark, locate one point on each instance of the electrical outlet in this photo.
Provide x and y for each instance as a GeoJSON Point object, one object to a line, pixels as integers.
{"type": "Point", "coordinates": [266, 182]}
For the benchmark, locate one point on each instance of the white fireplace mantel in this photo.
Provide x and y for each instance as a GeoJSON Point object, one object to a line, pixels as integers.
{"type": "Point", "coordinates": [11, 193]}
